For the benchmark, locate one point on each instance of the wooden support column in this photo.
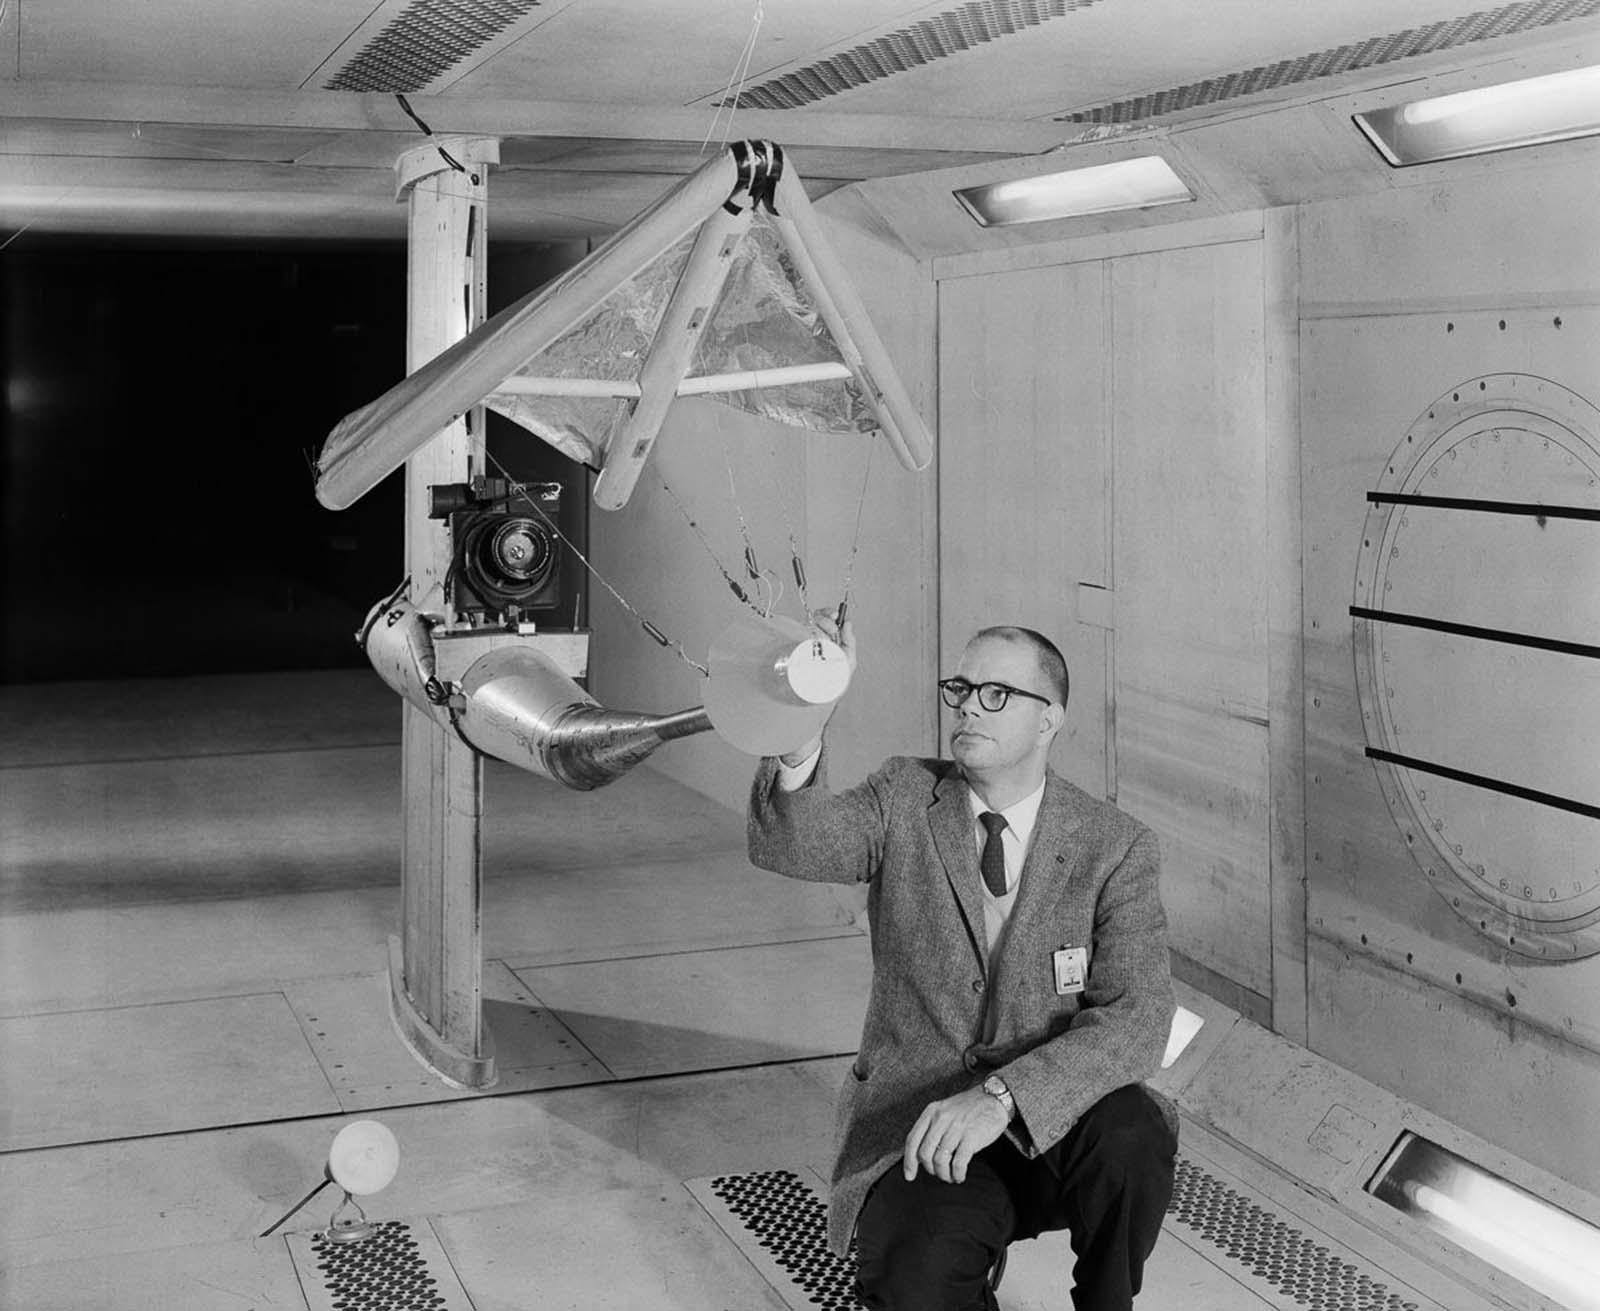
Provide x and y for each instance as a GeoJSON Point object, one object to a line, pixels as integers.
{"type": "Point", "coordinates": [435, 966]}
{"type": "Point", "coordinates": [1286, 618]}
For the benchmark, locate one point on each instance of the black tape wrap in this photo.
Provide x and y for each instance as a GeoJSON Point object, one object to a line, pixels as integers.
{"type": "Point", "coordinates": [760, 165]}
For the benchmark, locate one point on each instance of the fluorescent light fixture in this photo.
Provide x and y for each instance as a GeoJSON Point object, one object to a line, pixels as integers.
{"type": "Point", "coordinates": [1556, 107]}
{"type": "Point", "coordinates": [1127, 184]}
{"type": "Point", "coordinates": [1547, 1248]}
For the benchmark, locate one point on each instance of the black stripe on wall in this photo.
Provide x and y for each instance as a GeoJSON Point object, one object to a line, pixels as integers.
{"type": "Point", "coordinates": [1488, 507]}
{"type": "Point", "coordinates": [1468, 630]}
{"type": "Point", "coordinates": [1490, 784]}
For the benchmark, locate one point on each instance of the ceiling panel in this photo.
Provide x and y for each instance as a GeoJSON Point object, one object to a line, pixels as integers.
{"type": "Point", "coordinates": [267, 43]}
{"type": "Point", "coordinates": [671, 52]}
{"type": "Point", "coordinates": [404, 46]}
{"type": "Point", "coordinates": [1113, 49]}
{"type": "Point", "coordinates": [195, 115]}
{"type": "Point", "coordinates": [76, 139]}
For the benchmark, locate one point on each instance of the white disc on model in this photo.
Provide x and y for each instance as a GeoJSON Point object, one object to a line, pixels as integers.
{"type": "Point", "coordinates": [772, 683]}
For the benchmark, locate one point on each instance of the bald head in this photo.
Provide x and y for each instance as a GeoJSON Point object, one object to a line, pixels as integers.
{"type": "Point", "coordinates": [1052, 667]}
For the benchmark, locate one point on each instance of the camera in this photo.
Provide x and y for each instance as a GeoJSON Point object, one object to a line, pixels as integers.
{"type": "Point", "coordinates": [505, 547]}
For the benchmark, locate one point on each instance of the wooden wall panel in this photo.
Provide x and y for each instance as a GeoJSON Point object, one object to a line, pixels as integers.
{"type": "Point", "coordinates": [1522, 1088]}
{"type": "Point", "coordinates": [1286, 744]}
{"type": "Point", "coordinates": [1023, 479]}
{"type": "Point", "coordinates": [1520, 235]}
{"type": "Point", "coordinates": [1404, 990]}
{"type": "Point", "coordinates": [1139, 465]}
{"type": "Point", "coordinates": [1191, 582]}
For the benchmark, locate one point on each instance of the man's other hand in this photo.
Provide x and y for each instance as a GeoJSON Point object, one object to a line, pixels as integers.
{"type": "Point", "coordinates": [949, 1133]}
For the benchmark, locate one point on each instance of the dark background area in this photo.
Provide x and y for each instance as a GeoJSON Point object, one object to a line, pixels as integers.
{"type": "Point", "coordinates": [164, 406]}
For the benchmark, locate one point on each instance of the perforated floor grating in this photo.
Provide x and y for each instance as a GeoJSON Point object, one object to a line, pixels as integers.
{"type": "Point", "coordinates": [789, 1223]}
{"type": "Point", "coordinates": [397, 1267]}
{"type": "Point", "coordinates": [778, 1219]}
{"type": "Point", "coordinates": [1274, 1251]}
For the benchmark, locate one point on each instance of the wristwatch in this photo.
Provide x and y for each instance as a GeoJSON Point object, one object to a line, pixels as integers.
{"type": "Point", "coordinates": [995, 1086]}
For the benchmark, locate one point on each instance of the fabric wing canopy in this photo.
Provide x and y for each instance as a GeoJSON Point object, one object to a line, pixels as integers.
{"type": "Point", "coordinates": [725, 287]}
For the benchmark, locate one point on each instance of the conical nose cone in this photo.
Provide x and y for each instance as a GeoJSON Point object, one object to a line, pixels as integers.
{"type": "Point", "coordinates": [593, 746]}
{"type": "Point", "coordinates": [520, 708]}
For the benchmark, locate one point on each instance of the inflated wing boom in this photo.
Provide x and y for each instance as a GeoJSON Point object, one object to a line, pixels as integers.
{"type": "Point", "coordinates": [725, 287]}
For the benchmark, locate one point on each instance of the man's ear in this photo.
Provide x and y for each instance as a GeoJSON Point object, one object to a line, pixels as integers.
{"type": "Point", "coordinates": [1052, 718]}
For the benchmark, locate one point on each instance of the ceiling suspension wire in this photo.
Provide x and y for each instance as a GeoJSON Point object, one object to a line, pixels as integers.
{"type": "Point", "coordinates": [734, 585]}
{"type": "Point", "coordinates": [855, 543]}
{"type": "Point", "coordinates": [795, 560]}
{"type": "Point", "coordinates": [736, 80]}
{"type": "Point", "coordinates": [752, 568]}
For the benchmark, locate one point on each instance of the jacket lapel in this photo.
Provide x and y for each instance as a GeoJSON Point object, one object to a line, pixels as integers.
{"type": "Point", "coordinates": [950, 819]}
{"type": "Point", "coordinates": [1046, 870]}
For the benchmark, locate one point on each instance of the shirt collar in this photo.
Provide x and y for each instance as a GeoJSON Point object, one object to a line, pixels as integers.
{"type": "Point", "coordinates": [1020, 815]}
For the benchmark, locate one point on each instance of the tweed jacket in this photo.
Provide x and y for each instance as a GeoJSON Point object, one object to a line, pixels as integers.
{"type": "Point", "coordinates": [1090, 880]}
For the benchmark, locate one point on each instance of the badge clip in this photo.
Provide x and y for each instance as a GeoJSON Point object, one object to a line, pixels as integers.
{"type": "Point", "coordinates": [1071, 966]}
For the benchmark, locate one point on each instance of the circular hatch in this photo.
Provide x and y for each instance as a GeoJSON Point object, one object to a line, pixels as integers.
{"type": "Point", "coordinates": [1477, 648]}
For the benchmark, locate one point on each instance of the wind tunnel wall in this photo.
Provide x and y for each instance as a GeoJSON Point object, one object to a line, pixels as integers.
{"type": "Point", "coordinates": [1165, 450]}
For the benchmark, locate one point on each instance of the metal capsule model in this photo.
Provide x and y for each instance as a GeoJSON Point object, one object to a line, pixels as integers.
{"type": "Point", "coordinates": [515, 704]}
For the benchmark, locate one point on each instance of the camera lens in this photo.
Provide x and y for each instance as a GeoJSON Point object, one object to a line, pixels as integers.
{"type": "Point", "coordinates": [521, 550]}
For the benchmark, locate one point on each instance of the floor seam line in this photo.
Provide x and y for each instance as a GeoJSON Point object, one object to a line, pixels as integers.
{"type": "Point", "coordinates": [683, 951]}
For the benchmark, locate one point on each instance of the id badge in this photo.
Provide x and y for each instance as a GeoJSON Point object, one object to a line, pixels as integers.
{"type": "Point", "coordinates": [1071, 968]}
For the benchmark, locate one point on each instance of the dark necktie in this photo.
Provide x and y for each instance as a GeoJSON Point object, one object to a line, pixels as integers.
{"type": "Point", "coordinates": [994, 854]}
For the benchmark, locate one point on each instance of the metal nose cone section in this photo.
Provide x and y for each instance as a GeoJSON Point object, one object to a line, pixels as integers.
{"type": "Point", "coordinates": [516, 704]}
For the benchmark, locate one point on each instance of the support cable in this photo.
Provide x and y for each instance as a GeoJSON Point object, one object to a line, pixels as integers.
{"type": "Point", "coordinates": [734, 585]}
{"type": "Point", "coordinates": [855, 543]}
{"type": "Point", "coordinates": [795, 561]}
{"type": "Point", "coordinates": [736, 80]}
{"type": "Point", "coordinates": [752, 567]}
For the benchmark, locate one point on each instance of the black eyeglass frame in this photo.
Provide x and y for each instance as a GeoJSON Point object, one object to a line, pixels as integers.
{"type": "Point", "coordinates": [947, 686]}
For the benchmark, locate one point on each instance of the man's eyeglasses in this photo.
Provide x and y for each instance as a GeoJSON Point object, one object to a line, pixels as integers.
{"type": "Point", "coordinates": [991, 696]}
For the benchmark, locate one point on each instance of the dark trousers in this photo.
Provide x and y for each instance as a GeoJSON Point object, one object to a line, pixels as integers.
{"type": "Point", "coordinates": [928, 1245]}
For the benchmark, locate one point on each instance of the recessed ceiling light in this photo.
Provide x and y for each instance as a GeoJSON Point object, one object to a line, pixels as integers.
{"type": "Point", "coordinates": [1127, 184]}
{"type": "Point", "coordinates": [1555, 107]}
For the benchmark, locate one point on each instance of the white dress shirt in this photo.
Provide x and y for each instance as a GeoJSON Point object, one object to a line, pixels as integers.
{"type": "Point", "coordinates": [1020, 818]}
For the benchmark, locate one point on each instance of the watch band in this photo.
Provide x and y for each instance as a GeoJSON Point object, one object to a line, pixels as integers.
{"type": "Point", "coordinates": [995, 1086]}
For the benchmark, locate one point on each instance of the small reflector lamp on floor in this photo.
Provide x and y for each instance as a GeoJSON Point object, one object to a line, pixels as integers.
{"type": "Point", "coordinates": [362, 1161]}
